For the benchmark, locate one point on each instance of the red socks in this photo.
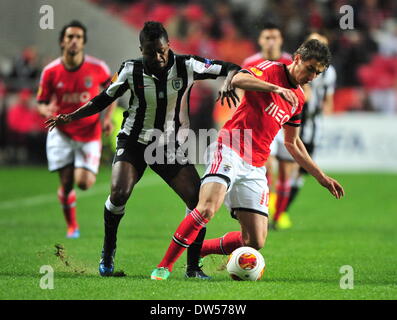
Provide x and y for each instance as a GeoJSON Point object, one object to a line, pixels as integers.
{"type": "Point", "coordinates": [69, 207]}
{"type": "Point", "coordinates": [224, 245]}
{"type": "Point", "coordinates": [184, 236]}
{"type": "Point", "coordinates": [283, 192]}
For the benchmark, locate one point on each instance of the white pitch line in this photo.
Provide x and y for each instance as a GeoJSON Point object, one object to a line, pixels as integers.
{"type": "Point", "coordinates": [41, 199]}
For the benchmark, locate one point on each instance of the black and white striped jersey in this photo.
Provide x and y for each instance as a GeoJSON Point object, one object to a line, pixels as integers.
{"type": "Point", "coordinates": [155, 103]}
{"type": "Point", "coordinates": [320, 87]}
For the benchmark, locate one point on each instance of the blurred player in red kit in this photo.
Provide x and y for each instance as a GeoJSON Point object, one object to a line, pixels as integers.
{"type": "Point", "coordinates": [270, 41]}
{"type": "Point", "coordinates": [74, 151]}
{"type": "Point", "coordinates": [236, 172]}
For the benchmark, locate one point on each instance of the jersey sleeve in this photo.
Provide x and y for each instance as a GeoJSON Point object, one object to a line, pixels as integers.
{"type": "Point", "coordinates": [119, 82]}
{"type": "Point", "coordinates": [257, 72]}
{"type": "Point", "coordinates": [104, 74]}
{"type": "Point", "coordinates": [117, 87]}
{"type": "Point", "coordinates": [44, 92]}
{"type": "Point", "coordinates": [204, 68]}
{"type": "Point", "coordinates": [330, 80]}
{"type": "Point", "coordinates": [295, 120]}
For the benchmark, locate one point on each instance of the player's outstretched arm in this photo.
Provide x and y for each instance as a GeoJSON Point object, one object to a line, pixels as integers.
{"type": "Point", "coordinates": [228, 91]}
{"type": "Point", "coordinates": [84, 111]}
{"type": "Point", "coordinates": [298, 151]}
{"type": "Point", "coordinates": [248, 82]}
{"type": "Point", "coordinates": [97, 104]}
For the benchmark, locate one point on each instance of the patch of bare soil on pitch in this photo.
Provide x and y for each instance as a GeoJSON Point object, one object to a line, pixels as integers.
{"type": "Point", "coordinates": [60, 252]}
{"type": "Point", "coordinates": [66, 261]}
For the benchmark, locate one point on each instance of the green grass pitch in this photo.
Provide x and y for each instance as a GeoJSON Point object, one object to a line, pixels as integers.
{"type": "Point", "coordinates": [301, 263]}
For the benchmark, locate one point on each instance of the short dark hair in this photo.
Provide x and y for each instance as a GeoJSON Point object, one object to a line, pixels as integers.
{"type": "Point", "coordinates": [76, 24]}
{"type": "Point", "coordinates": [270, 25]}
{"type": "Point", "coordinates": [314, 49]}
{"type": "Point", "coordinates": [152, 30]}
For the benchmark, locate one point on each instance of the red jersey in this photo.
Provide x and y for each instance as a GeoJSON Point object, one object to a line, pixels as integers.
{"type": "Point", "coordinates": [262, 114]}
{"type": "Point", "coordinates": [257, 58]}
{"type": "Point", "coordinates": [72, 89]}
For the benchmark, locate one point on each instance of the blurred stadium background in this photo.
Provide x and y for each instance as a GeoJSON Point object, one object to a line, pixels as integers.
{"type": "Point", "coordinates": [358, 136]}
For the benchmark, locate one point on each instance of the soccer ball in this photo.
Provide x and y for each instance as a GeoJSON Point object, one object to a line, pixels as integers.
{"type": "Point", "coordinates": [246, 263]}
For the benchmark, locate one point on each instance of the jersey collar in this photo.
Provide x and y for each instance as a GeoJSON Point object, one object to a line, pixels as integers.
{"type": "Point", "coordinates": [75, 68]}
{"type": "Point", "coordinates": [287, 75]}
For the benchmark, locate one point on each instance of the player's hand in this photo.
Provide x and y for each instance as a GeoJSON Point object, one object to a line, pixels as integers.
{"type": "Point", "coordinates": [288, 95]}
{"type": "Point", "coordinates": [107, 126]}
{"type": "Point", "coordinates": [228, 92]}
{"type": "Point", "coordinates": [47, 110]}
{"type": "Point", "coordinates": [333, 186]}
{"type": "Point", "coordinates": [58, 120]}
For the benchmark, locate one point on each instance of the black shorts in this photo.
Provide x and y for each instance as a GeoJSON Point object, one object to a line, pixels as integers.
{"type": "Point", "coordinates": [165, 161]}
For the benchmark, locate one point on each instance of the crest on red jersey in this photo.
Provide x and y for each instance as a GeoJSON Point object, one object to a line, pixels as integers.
{"type": "Point", "coordinates": [88, 82]}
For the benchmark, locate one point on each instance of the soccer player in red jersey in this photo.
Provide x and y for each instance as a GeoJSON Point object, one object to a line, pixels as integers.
{"type": "Point", "coordinates": [271, 41]}
{"type": "Point", "coordinates": [236, 171]}
{"type": "Point", "coordinates": [74, 151]}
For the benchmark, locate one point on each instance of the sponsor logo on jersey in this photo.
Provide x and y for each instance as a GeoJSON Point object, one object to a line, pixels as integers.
{"type": "Point", "coordinates": [208, 63]}
{"type": "Point", "coordinates": [76, 97]}
{"type": "Point", "coordinates": [277, 113]}
{"type": "Point", "coordinates": [256, 71]}
{"type": "Point", "coordinates": [227, 167]}
{"type": "Point", "coordinates": [177, 84]}
{"type": "Point", "coordinates": [60, 84]}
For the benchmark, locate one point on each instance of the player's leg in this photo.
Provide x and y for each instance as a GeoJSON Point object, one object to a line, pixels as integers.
{"type": "Point", "coordinates": [283, 187]}
{"type": "Point", "coordinates": [271, 169]}
{"type": "Point", "coordinates": [87, 159]}
{"type": "Point", "coordinates": [183, 178]}
{"type": "Point", "coordinates": [253, 228]}
{"type": "Point", "coordinates": [210, 199]}
{"type": "Point", "coordinates": [298, 179]}
{"type": "Point", "coordinates": [84, 179]}
{"type": "Point", "coordinates": [186, 183]}
{"type": "Point", "coordinates": [218, 177]}
{"type": "Point", "coordinates": [297, 182]}
{"type": "Point", "coordinates": [67, 198]}
{"type": "Point", "coordinates": [124, 177]}
{"type": "Point", "coordinates": [60, 156]}
{"type": "Point", "coordinates": [128, 167]}
{"type": "Point", "coordinates": [247, 198]}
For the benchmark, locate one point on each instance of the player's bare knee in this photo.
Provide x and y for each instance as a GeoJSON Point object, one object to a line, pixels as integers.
{"type": "Point", "coordinates": [255, 242]}
{"type": "Point", "coordinates": [84, 185]}
{"type": "Point", "coordinates": [207, 211]}
{"type": "Point", "coordinates": [119, 196]}
{"type": "Point", "coordinates": [86, 181]}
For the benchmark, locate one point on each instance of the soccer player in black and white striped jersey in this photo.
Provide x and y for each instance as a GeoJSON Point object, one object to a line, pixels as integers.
{"type": "Point", "coordinates": [158, 82]}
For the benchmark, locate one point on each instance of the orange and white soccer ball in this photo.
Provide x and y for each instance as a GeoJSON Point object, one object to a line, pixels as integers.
{"type": "Point", "coordinates": [246, 263]}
